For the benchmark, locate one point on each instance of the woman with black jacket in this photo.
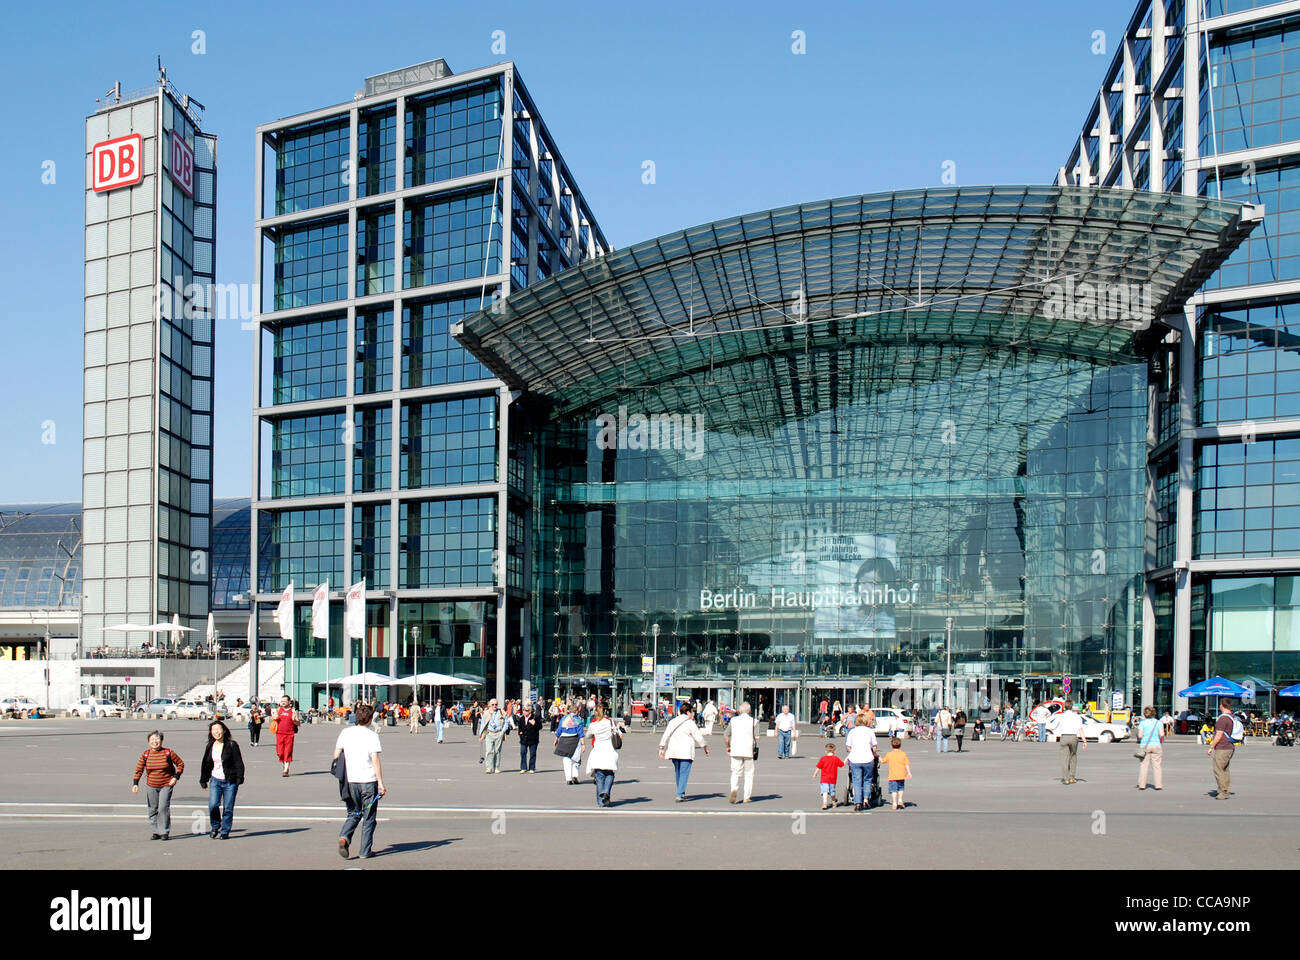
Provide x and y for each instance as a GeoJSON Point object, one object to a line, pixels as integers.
{"type": "Point", "coordinates": [959, 727]}
{"type": "Point", "coordinates": [221, 773]}
{"type": "Point", "coordinates": [529, 725]}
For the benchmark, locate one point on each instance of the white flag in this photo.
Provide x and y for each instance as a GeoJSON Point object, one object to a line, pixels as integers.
{"type": "Point", "coordinates": [212, 629]}
{"type": "Point", "coordinates": [320, 611]}
{"type": "Point", "coordinates": [284, 613]}
{"type": "Point", "coordinates": [355, 619]}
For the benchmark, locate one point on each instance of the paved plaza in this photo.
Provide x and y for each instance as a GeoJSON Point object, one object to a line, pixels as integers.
{"type": "Point", "coordinates": [65, 802]}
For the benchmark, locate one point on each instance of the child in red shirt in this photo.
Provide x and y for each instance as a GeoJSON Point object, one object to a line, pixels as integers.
{"type": "Point", "coordinates": [828, 768]}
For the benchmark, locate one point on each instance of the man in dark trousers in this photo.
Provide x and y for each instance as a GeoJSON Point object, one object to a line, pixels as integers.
{"type": "Point", "coordinates": [529, 726]}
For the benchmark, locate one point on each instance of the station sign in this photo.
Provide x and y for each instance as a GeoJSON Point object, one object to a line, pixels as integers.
{"type": "Point", "coordinates": [182, 164]}
{"type": "Point", "coordinates": [647, 665]}
{"type": "Point", "coordinates": [117, 163]}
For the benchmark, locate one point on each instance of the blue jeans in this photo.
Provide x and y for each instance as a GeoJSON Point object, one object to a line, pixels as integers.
{"type": "Point", "coordinates": [941, 744]}
{"type": "Point", "coordinates": [1042, 733]}
{"type": "Point", "coordinates": [860, 775]}
{"type": "Point", "coordinates": [604, 782]}
{"type": "Point", "coordinates": [221, 804]}
{"type": "Point", "coordinates": [527, 756]}
{"type": "Point", "coordinates": [783, 739]}
{"type": "Point", "coordinates": [682, 769]}
{"type": "Point", "coordinates": [363, 807]}
{"type": "Point", "coordinates": [438, 727]}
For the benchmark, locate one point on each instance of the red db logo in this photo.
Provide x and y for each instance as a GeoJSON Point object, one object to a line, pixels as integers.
{"type": "Point", "coordinates": [117, 163]}
{"type": "Point", "coordinates": [182, 164]}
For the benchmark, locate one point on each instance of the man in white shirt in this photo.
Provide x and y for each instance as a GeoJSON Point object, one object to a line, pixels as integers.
{"type": "Point", "coordinates": [740, 738]}
{"type": "Point", "coordinates": [786, 730]}
{"type": "Point", "coordinates": [710, 717]}
{"type": "Point", "coordinates": [862, 753]}
{"type": "Point", "coordinates": [360, 748]}
{"type": "Point", "coordinates": [1068, 727]}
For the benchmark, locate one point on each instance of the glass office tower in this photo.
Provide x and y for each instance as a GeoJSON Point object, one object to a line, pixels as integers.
{"type": "Point", "coordinates": [1203, 99]}
{"type": "Point", "coordinates": [879, 448]}
{"type": "Point", "coordinates": [382, 449]}
{"type": "Point", "coordinates": [148, 350]}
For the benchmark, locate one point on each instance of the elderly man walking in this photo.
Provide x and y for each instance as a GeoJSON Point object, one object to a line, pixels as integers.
{"type": "Point", "coordinates": [786, 730]}
{"type": "Point", "coordinates": [492, 731]}
{"type": "Point", "coordinates": [1068, 727]}
{"type": "Point", "coordinates": [741, 739]}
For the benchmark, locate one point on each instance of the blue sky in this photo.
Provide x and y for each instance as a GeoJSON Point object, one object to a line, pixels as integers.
{"type": "Point", "coordinates": [712, 92]}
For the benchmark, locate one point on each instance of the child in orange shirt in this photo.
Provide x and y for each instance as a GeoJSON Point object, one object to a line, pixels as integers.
{"type": "Point", "coordinates": [828, 768]}
{"type": "Point", "coordinates": [900, 771]}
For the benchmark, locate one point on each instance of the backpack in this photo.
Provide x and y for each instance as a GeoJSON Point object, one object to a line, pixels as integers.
{"type": "Point", "coordinates": [1238, 731]}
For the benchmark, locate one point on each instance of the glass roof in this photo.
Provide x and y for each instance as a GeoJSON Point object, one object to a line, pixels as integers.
{"type": "Point", "coordinates": [977, 265]}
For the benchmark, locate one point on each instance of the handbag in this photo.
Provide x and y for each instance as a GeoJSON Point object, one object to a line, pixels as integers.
{"type": "Point", "coordinates": [945, 732]}
{"type": "Point", "coordinates": [615, 737]}
{"type": "Point", "coordinates": [1140, 753]}
{"type": "Point", "coordinates": [755, 741]}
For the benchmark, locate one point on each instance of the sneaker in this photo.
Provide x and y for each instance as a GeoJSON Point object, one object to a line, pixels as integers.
{"type": "Point", "coordinates": [532, 771]}
{"type": "Point", "coordinates": [679, 799]}
{"type": "Point", "coordinates": [165, 836]}
{"type": "Point", "coordinates": [156, 836]}
{"type": "Point", "coordinates": [214, 834]}
{"type": "Point", "coordinates": [748, 800]}
{"type": "Point", "coordinates": [343, 848]}
{"type": "Point", "coordinates": [224, 836]}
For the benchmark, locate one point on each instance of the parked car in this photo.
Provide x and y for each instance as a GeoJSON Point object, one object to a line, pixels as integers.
{"type": "Point", "coordinates": [103, 708]}
{"type": "Point", "coordinates": [886, 715]}
{"type": "Point", "coordinates": [191, 709]}
{"type": "Point", "coordinates": [1095, 730]}
{"type": "Point", "coordinates": [23, 705]}
{"type": "Point", "coordinates": [159, 707]}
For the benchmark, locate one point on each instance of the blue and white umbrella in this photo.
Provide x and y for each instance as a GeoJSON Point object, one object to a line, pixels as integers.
{"type": "Point", "coordinates": [1291, 691]}
{"type": "Point", "coordinates": [1213, 687]}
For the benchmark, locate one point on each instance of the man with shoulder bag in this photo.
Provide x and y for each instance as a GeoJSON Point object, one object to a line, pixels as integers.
{"type": "Point", "coordinates": [742, 746]}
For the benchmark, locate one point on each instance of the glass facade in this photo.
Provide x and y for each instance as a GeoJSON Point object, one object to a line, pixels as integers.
{"type": "Point", "coordinates": [448, 442]}
{"type": "Point", "coordinates": [429, 354]}
{"type": "Point", "coordinates": [395, 431]}
{"type": "Point", "coordinates": [1248, 499]}
{"type": "Point", "coordinates": [835, 541]}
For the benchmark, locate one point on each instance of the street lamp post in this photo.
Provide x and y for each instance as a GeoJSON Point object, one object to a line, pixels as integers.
{"type": "Point", "coordinates": [654, 678]}
{"type": "Point", "coordinates": [947, 649]}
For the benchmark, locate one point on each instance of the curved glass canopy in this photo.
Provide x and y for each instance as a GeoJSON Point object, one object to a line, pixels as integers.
{"type": "Point", "coordinates": [1068, 270]}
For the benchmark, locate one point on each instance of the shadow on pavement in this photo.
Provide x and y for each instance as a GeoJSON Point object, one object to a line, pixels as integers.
{"type": "Point", "coordinates": [239, 835]}
{"type": "Point", "coordinates": [415, 846]}
{"type": "Point", "coordinates": [620, 803]}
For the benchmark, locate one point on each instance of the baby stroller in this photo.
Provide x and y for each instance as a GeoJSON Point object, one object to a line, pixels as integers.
{"type": "Point", "coordinates": [874, 796]}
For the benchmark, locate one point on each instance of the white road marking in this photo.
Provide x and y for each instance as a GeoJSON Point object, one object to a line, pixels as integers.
{"type": "Point", "coordinates": [489, 811]}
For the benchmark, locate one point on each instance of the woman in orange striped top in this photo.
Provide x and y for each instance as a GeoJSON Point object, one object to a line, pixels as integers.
{"type": "Point", "coordinates": [162, 768]}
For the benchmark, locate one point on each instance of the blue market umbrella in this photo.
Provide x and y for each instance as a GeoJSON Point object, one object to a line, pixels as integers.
{"type": "Point", "coordinates": [1213, 687]}
{"type": "Point", "coordinates": [1291, 691]}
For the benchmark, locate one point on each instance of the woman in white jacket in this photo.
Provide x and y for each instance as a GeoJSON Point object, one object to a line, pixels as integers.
{"type": "Point", "coordinates": [678, 745]}
{"type": "Point", "coordinates": [710, 717]}
{"type": "Point", "coordinates": [602, 759]}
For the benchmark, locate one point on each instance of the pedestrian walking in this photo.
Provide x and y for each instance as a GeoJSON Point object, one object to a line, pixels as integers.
{"type": "Point", "coordinates": [255, 721]}
{"type": "Point", "coordinates": [363, 780]}
{"type": "Point", "coordinates": [1151, 738]}
{"type": "Point", "coordinates": [1040, 715]}
{"type": "Point", "coordinates": [221, 773]}
{"type": "Point", "coordinates": [787, 729]}
{"type": "Point", "coordinates": [492, 733]}
{"type": "Point", "coordinates": [959, 727]}
{"type": "Point", "coordinates": [710, 717]}
{"type": "Point", "coordinates": [568, 743]}
{"type": "Point", "coordinates": [742, 746]}
{"type": "Point", "coordinates": [529, 725]}
{"type": "Point", "coordinates": [439, 722]}
{"type": "Point", "coordinates": [860, 745]}
{"type": "Point", "coordinates": [415, 717]}
{"type": "Point", "coordinates": [943, 722]}
{"type": "Point", "coordinates": [162, 768]}
{"type": "Point", "coordinates": [1222, 748]}
{"type": "Point", "coordinates": [1068, 727]}
{"type": "Point", "coordinates": [678, 744]}
{"type": "Point", "coordinates": [828, 770]}
{"type": "Point", "coordinates": [286, 728]}
{"type": "Point", "coordinates": [602, 759]}
{"type": "Point", "coordinates": [899, 771]}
